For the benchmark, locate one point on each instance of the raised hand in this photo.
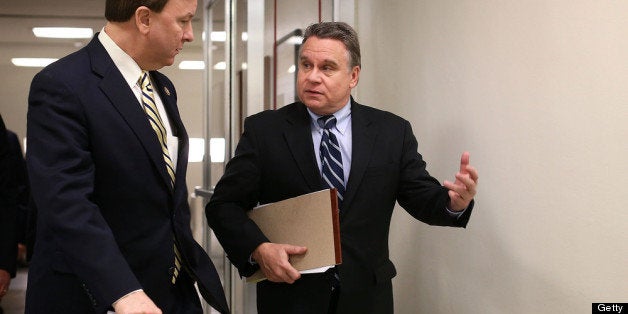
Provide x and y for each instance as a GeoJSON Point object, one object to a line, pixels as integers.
{"type": "Point", "coordinates": [462, 191]}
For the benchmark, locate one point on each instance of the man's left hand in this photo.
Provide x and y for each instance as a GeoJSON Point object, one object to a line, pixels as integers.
{"type": "Point", "coordinates": [462, 191]}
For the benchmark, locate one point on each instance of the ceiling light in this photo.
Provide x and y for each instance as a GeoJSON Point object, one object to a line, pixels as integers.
{"type": "Point", "coordinates": [217, 149]}
{"type": "Point", "coordinates": [220, 66]}
{"type": "Point", "coordinates": [63, 32]}
{"type": "Point", "coordinates": [218, 36]}
{"type": "Point", "coordinates": [295, 40]}
{"type": "Point", "coordinates": [191, 65]}
{"type": "Point", "coordinates": [32, 62]}
{"type": "Point", "coordinates": [197, 149]}
{"type": "Point", "coordinates": [221, 36]}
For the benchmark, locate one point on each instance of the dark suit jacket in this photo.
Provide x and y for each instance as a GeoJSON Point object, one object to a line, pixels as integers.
{"type": "Point", "coordinates": [275, 160]}
{"type": "Point", "coordinates": [106, 211]}
{"type": "Point", "coordinates": [22, 187]}
{"type": "Point", "coordinates": [8, 204]}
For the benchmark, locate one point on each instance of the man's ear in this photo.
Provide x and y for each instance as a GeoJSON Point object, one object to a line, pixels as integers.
{"type": "Point", "coordinates": [142, 19]}
{"type": "Point", "coordinates": [355, 76]}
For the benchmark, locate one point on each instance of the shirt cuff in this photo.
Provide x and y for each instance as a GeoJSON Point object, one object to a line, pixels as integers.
{"type": "Point", "coordinates": [124, 296]}
{"type": "Point", "coordinates": [455, 214]}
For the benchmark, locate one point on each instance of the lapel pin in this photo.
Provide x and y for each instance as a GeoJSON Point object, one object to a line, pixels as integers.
{"type": "Point", "coordinates": [167, 91]}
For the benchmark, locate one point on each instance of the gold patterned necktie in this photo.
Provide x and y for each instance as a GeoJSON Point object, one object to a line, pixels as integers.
{"type": "Point", "coordinates": [148, 103]}
{"type": "Point", "coordinates": [150, 108]}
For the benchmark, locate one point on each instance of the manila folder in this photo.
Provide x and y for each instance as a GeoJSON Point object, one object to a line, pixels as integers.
{"type": "Point", "coordinates": [309, 220]}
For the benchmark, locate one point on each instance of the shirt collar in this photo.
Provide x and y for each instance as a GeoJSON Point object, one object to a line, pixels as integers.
{"type": "Point", "coordinates": [343, 117]}
{"type": "Point", "coordinates": [127, 66]}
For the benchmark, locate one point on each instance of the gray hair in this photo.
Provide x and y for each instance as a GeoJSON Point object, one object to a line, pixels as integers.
{"type": "Point", "coordinates": [339, 31]}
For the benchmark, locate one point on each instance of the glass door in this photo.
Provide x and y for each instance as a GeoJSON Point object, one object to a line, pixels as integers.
{"type": "Point", "coordinates": [224, 54]}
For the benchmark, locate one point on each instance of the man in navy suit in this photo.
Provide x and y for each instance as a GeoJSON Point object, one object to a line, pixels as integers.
{"type": "Point", "coordinates": [113, 221]}
{"type": "Point", "coordinates": [378, 164]}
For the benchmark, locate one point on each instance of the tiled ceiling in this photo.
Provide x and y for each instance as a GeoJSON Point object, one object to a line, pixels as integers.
{"type": "Point", "coordinates": [18, 17]}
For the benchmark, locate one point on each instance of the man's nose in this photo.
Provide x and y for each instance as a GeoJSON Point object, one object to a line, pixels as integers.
{"type": "Point", "coordinates": [314, 75]}
{"type": "Point", "coordinates": [188, 33]}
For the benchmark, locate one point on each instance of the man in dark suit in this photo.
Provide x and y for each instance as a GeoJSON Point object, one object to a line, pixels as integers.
{"type": "Point", "coordinates": [8, 213]}
{"type": "Point", "coordinates": [107, 157]}
{"type": "Point", "coordinates": [369, 155]}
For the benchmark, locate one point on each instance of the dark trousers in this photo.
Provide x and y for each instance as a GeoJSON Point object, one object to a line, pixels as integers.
{"type": "Point", "coordinates": [311, 294]}
{"type": "Point", "coordinates": [377, 299]}
{"type": "Point", "coordinates": [320, 294]}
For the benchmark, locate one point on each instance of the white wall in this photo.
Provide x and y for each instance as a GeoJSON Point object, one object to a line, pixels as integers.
{"type": "Point", "coordinates": [536, 91]}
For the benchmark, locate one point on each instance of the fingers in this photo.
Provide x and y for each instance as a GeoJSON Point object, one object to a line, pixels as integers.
{"type": "Point", "coordinates": [291, 274]}
{"type": "Point", "coordinates": [469, 182]}
{"type": "Point", "coordinates": [456, 202]}
{"type": "Point", "coordinates": [274, 261]}
{"type": "Point", "coordinates": [458, 189]}
{"type": "Point", "coordinates": [462, 191]}
{"type": "Point", "coordinates": [292, 249]}
{"type": "Point", "coordinates": [464, 187]}
{"type": "Point", "coordinates": [464, 162]}
{"type": "Point", "coordinates": [280, 272]}
{"type": "Point", "coordinates": [473, 173]}
{"type": "Point", "coordinates": [465, 182]}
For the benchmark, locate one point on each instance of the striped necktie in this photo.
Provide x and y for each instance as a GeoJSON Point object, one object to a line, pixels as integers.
{"type": "Point", "coordinates": [148, 103]}
{"type": "Point", "coordinates": [150, 108]}
{"type": "Point", "coordinates": [331, 159]}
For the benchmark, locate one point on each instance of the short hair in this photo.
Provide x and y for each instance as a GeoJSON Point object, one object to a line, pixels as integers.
{"type": "Point", "coordinates": [123, 10]}
{"type": "Point", "coordinates": [339, 31]}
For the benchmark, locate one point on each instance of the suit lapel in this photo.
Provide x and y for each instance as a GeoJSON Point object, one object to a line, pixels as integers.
{"type": "Point", "coordinates": [364, 136]}
{"type": "Point", "coordinates": [299, 138]}
{"type": "Point", "coordinates": [124, 101]}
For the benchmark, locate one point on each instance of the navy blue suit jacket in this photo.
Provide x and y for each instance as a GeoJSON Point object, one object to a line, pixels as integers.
{"type": "Point", "coordinates": [106, 211]}
{"type": "Point", "coordinates": [275, 160]}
